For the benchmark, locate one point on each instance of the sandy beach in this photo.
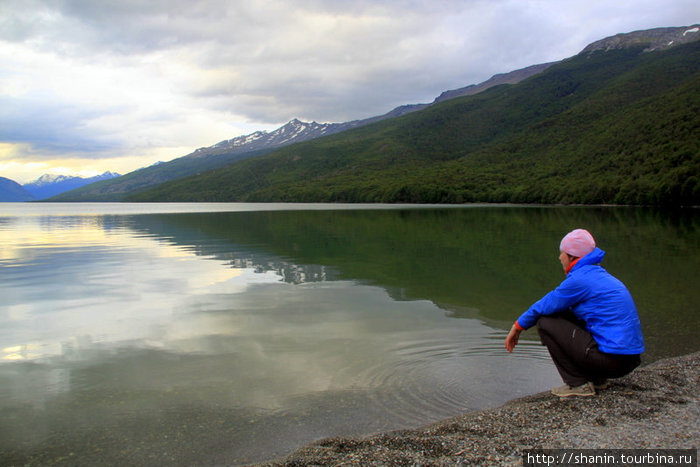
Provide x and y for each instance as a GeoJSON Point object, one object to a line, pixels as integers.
{"type": "Point", "coordinates": [655, 407]}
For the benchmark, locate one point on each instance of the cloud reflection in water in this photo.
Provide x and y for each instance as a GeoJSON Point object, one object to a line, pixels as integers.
{"type": "Point", "coordinates": [106, 328]}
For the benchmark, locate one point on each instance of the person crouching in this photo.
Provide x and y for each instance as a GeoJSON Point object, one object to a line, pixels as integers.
{"type": "Point", "coordinates": [589, 323]}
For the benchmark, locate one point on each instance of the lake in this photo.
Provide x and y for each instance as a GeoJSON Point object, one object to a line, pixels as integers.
{"type": "Point", "coordinates": [200, 334]}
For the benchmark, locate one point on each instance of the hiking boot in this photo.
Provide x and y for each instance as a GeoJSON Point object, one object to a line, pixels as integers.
{"type": "Point", "coordinates": [585, 390]}
{"type": "Point", "coordinates": [600, 385]}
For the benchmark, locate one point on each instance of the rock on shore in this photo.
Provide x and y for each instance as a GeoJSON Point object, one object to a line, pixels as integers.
{"type": "Point", "coordinates": [654, 407]}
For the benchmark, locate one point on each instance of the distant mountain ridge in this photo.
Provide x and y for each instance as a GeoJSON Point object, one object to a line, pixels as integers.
{"type": "Point", "coordinates": [258, 143]}
{"type": "Point", "coordinates": [606, 126]}
{"type": "Point", "coordinates": [49, 185]}
{"type": "Point", "coordinates": [513, 77]}
{"type": "Point", "coordinates": [296, 131]}
{"type": "Point", "coordinates": [203, 159]}
{"type": "Point", "coordinates": [293, 131]}
{"type": "Point", "coordinates": [652, 39]}
{"type": "Point", "coordinates": [11, 191]}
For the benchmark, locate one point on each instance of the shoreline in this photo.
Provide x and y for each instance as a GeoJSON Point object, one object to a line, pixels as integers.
{"type": "Point", "coordinates": [655, 407]}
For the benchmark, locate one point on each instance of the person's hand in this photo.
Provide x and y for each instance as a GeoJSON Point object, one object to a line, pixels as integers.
{"type": "Point", "coordinates": [512, 338]}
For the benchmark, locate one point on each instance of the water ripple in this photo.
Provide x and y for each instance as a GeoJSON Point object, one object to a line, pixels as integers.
{"type": "Point", "coordinates": [433, 379]}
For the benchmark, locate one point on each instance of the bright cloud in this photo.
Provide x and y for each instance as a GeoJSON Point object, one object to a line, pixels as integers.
{"type": "Point", "coordinates": [118, 84]}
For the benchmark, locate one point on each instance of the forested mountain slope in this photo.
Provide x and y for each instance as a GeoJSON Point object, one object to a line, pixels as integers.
{"type": "Point", "coordinates": [606, 126]}
{"type": "Point", "coordinates": [259, 142]}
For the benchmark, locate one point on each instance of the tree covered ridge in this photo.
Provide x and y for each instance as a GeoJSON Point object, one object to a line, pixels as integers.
{"type": "Point", "coordinates": [607, 127]}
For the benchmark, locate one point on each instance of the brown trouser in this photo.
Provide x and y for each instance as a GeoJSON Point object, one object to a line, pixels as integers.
{"type": "Point", "coordinates": [575, 352]}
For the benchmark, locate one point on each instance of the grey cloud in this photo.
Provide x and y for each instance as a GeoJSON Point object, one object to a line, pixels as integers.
{"type": "Point", "coordinates": [82, 27]}
{"type": "Point", "coordinates": [52, 128]}
{"type": "Point", "coordinates": [270, 61]}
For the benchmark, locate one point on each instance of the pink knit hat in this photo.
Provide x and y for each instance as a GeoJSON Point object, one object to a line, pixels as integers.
{"type": "Point", "coordinates": [577, 243]}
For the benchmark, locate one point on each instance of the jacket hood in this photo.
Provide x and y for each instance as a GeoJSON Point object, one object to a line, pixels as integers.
{"type": "Point", "coordinates": [594, 257]}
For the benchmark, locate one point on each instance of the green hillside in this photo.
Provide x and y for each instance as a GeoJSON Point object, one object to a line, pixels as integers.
{"type": "Point", "coordinates": [609, 127]}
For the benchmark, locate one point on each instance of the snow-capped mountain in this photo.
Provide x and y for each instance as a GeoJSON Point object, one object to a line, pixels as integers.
{"type": "Point", "coordinates": [294, 131]}
{"type": "Point", "coordinates": [652, 39]}
{"type": "Point", "coordinates": [237, 149]}
{"type": "Point", "coordinates": [207, 158]}
{"type": "Point", "coordinates": [243, 147]}
{"type": "Point", "coordinates": [49, 185]}
{"type": "Point", "coordinates": [50, 179]}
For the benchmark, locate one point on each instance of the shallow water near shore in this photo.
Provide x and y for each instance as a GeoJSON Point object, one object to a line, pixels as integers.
{"type": "Point", "coordinates": [233, 333]}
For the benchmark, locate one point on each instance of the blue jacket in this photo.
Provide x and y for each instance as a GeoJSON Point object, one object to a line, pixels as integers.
{"type": "Point", "coordinates": [598, 299]}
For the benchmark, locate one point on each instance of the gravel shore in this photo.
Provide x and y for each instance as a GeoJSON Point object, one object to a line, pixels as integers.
{"type": "Point", "coordinates": [653, 408]}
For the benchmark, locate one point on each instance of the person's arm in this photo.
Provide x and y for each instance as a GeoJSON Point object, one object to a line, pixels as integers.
{"type": "Point", "coordinates": [566, 295]}
{"type": "Point", "coordinates": [513, 336]}
{"type": "Point", "coordinates": [569, 293]}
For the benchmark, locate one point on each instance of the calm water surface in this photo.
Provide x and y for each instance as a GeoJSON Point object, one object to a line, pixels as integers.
{"type": "Point", "coordinates": [229, 333]}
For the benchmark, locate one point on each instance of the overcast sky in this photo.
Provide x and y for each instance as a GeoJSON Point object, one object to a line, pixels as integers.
{"type": "Point", "coordinates": [93, 85]}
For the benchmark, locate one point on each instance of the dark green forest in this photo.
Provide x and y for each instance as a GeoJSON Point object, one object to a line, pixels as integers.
{"type": "Point", "coordinates": [615, 127]}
